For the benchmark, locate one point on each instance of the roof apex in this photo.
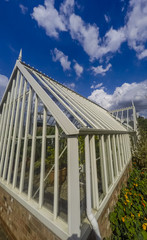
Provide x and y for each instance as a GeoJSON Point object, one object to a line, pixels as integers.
{"type": "Point", "coordinates": [20, 55]}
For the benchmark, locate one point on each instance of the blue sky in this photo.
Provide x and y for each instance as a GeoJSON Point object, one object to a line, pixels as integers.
{"type": "Point", "coordinates": [97, 48]}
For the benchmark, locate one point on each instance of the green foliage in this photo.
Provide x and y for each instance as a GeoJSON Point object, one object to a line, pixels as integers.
{"type": "Point", "coordinates": [50, 149]}
{"type": "Point", "coordinates": [81, 141]}
{"type": "Point", "coordinates": [129, 219]}
{"type": "Point", "coordinates": [140, 153]}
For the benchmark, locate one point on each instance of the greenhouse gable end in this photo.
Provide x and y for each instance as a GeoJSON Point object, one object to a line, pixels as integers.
{"type": "Point", "coordinates": [61, 157]}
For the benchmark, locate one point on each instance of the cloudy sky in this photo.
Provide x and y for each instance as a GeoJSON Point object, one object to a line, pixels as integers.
{"type": "Point", "coordinates": [97, 48]}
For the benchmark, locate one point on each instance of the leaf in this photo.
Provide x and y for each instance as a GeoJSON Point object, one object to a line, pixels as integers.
{"type": "Point", "coordinates": [144, 234]}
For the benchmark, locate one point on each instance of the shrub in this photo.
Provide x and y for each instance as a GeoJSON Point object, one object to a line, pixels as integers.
{"type": "Point", "coordinates": [140, 152]}
{"type": "Point", "coordinates": [129, 219]}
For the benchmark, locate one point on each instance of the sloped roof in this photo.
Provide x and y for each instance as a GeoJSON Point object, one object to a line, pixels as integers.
{"type": "Point", "coordinates": [74, 113]}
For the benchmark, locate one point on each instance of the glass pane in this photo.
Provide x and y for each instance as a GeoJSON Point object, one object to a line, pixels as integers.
{"type": "Point", "coordinates": [113, 157]}
{"type": "Point", "coordinates": [56, 100]}
{"type": "Point", "coordinates": [37, 161]}
{"type": "Point", "coordinates": [49, 174]}
{"type": "Point", "coordinates": [82, 176]}
{"type": "Point", "coordinates": [63, 182]}
{"type": "Point", "coordinates": [20, 163]}
{"type": "Point", "coordinates": [28, 159]}
{"type": "Point", "coordinates": [99, 167]}
{"type": "Point", "coordinates": [37, 164]}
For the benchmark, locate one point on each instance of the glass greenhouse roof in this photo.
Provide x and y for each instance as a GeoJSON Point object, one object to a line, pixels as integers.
{"type": "Point", "coordinates": [73, 112]}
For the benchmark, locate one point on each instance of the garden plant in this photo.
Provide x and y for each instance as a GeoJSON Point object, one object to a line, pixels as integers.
{"type": "Point", "coordinates": [129, 218]}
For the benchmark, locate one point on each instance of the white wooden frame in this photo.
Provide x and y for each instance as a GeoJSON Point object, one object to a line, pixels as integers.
{"type": "Point", "coordinates": [94, 121]}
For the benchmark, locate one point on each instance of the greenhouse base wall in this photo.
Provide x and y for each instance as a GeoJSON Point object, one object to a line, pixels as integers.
{"type": "Point", "coordinates": [22, 225]}
{"type": "Point", "coordinates": [103, 221]}
{"type": "Point", "coordinates": [19, 223]}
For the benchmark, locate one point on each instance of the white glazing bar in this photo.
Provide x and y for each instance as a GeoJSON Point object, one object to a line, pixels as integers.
{"type": "Point", "coordinates": [7, 126]}
{"type": "Point", "coordinates": [93, 110]}
{"type": "Point", "coordinates": [129, 144]}
{"type": "Point", "coordinates": [2, 118]}
{"type": "Point", "coordinates": [11, 126]}
{"type": "Point", "coordinates": [96, 112]}
{"type": "Point", "coordinates": [80, 108]}
{"type": "Point", "coordinates": [61, 101]}
{"type": "Point", "coordinates": [94, 173]}
{"type": "Point", "coordinates": [100, 119]}
{"type": "Point", "coordinates": [23, 167]}
{"type": "Point", "coordinates": [110, 159]}
{"type": "Point", "coordinates": [101, 114]}
{"type": "Point", "coordinates": [118, 154]}
{"type": "Point", "coordinates": [134, 118]}
{"type": "Point", "coordinates": [73, 187]}
{"type": "Point", "coordinates": [4, 124]}
{"type": "Point", "coordinates": [3, 135]}
{"type": "Point", "coordinates": [77, 105]}
{"type": "Point", "coordinates": [117, 115]}
{"type": "Point", "coordinates": [122, 150]}
{"type": "Point", "coordinates": [67, 126]}
{"type": "Point", "coordinates": [127, 118]}
{"type": "Point", "coordinates": [122, 116]}
{"type": "Point", "coordinates": [19, 135]}
{"type": "Point", "coordinates": [56, 176]}
{"type": "Point", "coordinates": [43, 155]}
{"type": "Point", "coordinates": [103, 165]}
{"type": "Point", "coordinates": [33, 150]}
{"type": "Point", "coordinates": [15, 132]}
{"type": "Point", "coordinates": [124, 147]}
{"type": "Point", "coordinates": [114, 155]}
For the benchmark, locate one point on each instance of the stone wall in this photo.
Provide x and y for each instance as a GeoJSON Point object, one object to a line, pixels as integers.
{"type": "Point", "coordinates": [19, 223]}
{"type": "Point", "coordinates": [103, 221]}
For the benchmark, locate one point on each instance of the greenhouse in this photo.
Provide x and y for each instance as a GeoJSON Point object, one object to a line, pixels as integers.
{"type": "Point", "coordinates": [61, 155]}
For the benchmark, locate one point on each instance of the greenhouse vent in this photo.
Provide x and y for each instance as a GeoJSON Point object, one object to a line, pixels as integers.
{"type": "Point", "coordinates": [63, 159]}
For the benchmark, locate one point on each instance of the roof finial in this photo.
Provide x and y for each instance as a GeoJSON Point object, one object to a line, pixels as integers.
{"type": "Point", "coordinates": [20, 55]}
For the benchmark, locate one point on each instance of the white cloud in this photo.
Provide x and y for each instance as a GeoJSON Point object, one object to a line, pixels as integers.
{"type": "Point", "coordinates": [107, 18]}
{"type": "Point", "coordinates": [48, 18]}
{"type": "Point", "coordinates": [123, 96]}
{"type": "Point", "coordinates": [143, 54]}
{"type": "Point", "coordinates": [101, 70]}
{"type": "Point", "coordinates": [93, 86]}
{"type": "Point", "coordinates": [86, 34]}
{"type": "Point", "coordinates": [23, 9]}
{"type": "Point", "coordinates": [136, 27]}
{"type": "Point", "coordinates": [88, 37]}
{"type": "Point", "coordinates": [113, 39]}
{"type": "Point", "coordinates": [58, 55]}
{"type": "Point", "coordinates": [3, 84]}
{"type": "Point", "coordinates": [3, 80]}
{"type": "Point", "coordinates": [70, 85]}
{"type": "Point", "coordinates": [123, 8]}
{"type": "Point", "coordinates": [101, 97]}
{"type": "Point", "coordinates": [78, 69]}
{"type": "Point", "coordinates": [67, 7]}
{"type": "Point", "coordinates": [134, 31]}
